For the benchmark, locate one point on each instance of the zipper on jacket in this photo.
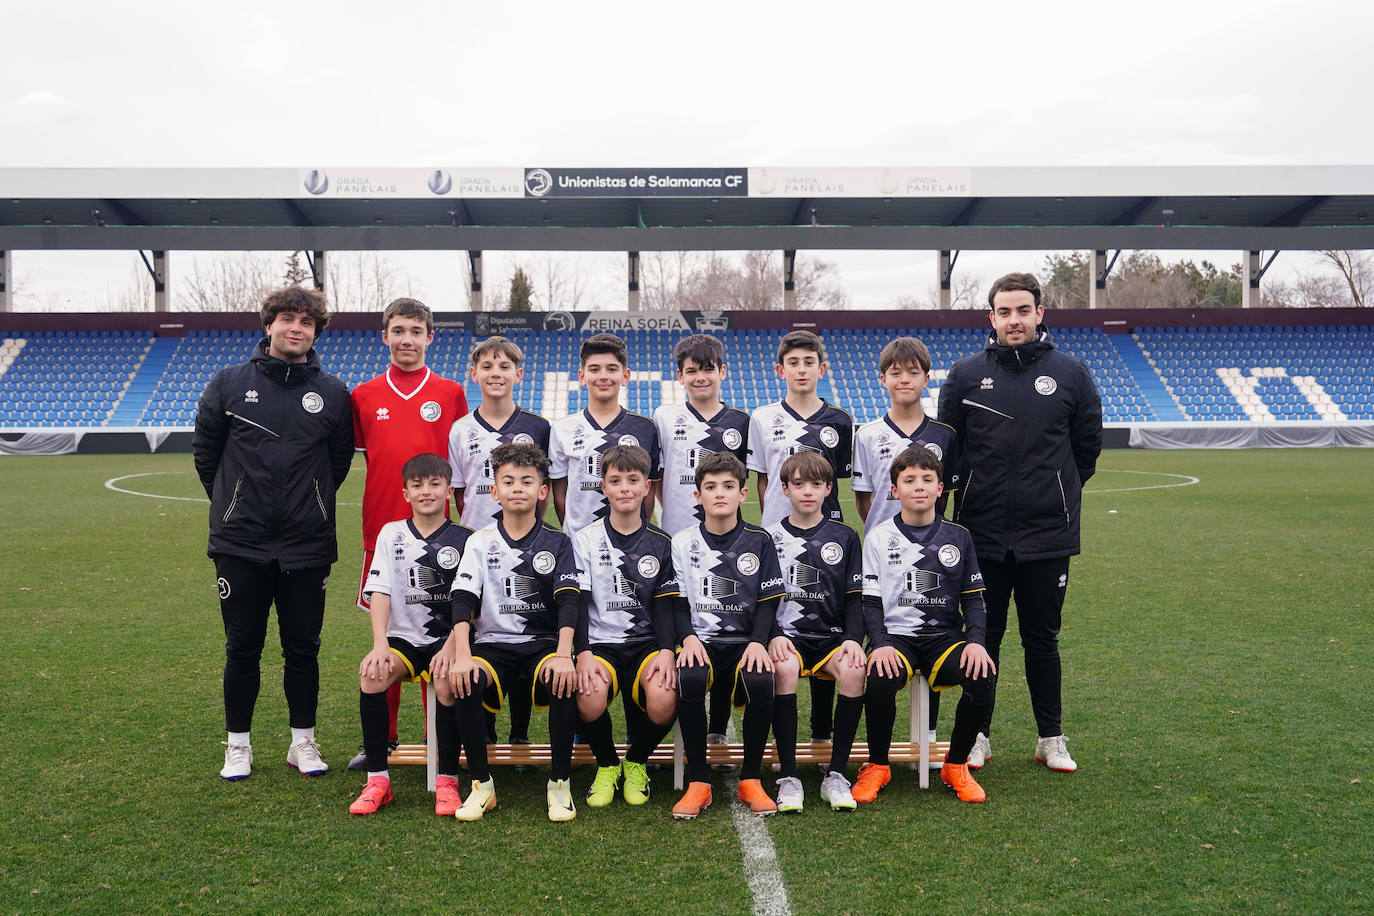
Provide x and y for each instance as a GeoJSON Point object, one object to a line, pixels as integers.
{"type": "Point", "coordinates": [1063, 500]}
{"type": "Point", "coordinates": [970, 403]}
{"type": "Point", "coordinates": [963, 496]}
{"type": "Point", "coordinates": [252, 423]}
{"type": "Point", "coordinates": [233, 500]}
{"type": "Point", "coordinates": [319, 500]}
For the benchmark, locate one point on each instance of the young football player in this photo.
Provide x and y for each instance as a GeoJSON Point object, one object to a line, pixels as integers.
{"type": "Point", "coordinates": [406, 411]}
{"type": "Point", "coordinates": [521, 573]}
{"type": "Point", "coordinates": [579, 440]}
{"type": "Point", "coordinates": [821, 620]}
{"type": "Point", "coordinates": [411, 613]}
{"type": "Point", "coordinates": [904, 370]}
{"type": "Point", "coordinates": [731, 586]}
{"type": "Point", "coordinates": [923, 606]}
{"type": "Point", "coordinates": [801, 422]}
{"type": "Point", "coordinates": [701, 427]}
{"type": "Point", "coordinates": [496, 367]}
{"type": "Point", "coordinates": [625, 637]}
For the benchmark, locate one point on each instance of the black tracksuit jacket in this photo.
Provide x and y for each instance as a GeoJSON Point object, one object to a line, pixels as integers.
{"type": "Point", "coordinates": [273, 443]}
{"type": "Point", "coordinates": [1029, 421]}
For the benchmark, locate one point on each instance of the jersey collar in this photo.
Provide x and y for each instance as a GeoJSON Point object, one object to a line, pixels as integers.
{"type": "Point", "coordinates": [410, 523]}
{"type": "Point", "coordinates": [920, 427]}
{"type": "Point", "coordinates": [819, 410]}
{"type": "Point", "coordinates": [587, 415]}
{"type": "Point", "coordinates": [401, 394]}
{"type": "Point", "coordinates": [916, 534]}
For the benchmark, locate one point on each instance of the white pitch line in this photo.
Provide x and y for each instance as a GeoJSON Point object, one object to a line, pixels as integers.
{"type": "Point", "coordinates": [111, 485]}
{"type": "Point", "coordinates": [1187, 479]}
{"type": "Point", "coordinates": [761, 869]}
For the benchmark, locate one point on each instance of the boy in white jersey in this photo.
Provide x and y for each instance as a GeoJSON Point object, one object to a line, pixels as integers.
{"type": "Point", "coordinates": [821, 625]}
{"type": "Point", "coordinates": [701, 427]}
{"type": "Point", "coordinates": [409, 584]}
{"type": "Point", "coordinates": [731, 586]}
{"type": "Point", "coordinates": [923, 606]}
{"type": "Point", "coordinates": [904, 370]}
{"type": "Point", "coordinates": [496, 367]}
{"type": "Point", "coordinates": [801, 422]}
{"type": "Point", "coordinates": [521, 573]}
{"type": "Point", "coordinates": [578, 441]}
{"type": "Point", "coordinates": [625, 633]}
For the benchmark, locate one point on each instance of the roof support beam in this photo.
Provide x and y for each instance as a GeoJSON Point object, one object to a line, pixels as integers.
{"type": "Point", "coordinates": [1131, 215]}
{"type": "Point", "coordinates": [294, 213]}
{"type": "Point", "coordinates": [1295, 215]}
{"type": "Point", "coordinates": [970, 212]}
{"type": "Point", "coordinates": [126, 214]}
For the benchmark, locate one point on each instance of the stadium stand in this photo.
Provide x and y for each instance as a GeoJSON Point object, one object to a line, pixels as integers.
{"type": "Point", "coordinates": [123, 379]}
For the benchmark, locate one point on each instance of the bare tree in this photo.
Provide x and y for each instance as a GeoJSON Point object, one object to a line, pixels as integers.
{"type": "Point", "coordinates": [137, 294]}
{"type": "Point", "coordinates": [364, 281]}
{"type": "Point", "coordinates": [228, 282]}
{"type": "Point", "coordinates": [558, 282]}
{"type": "Point", "coordinates": [1356, 269]}
{"type": "Point", "coordinates": [665, 278]}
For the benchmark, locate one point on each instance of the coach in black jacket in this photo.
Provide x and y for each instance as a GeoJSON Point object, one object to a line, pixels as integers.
{"type": "Point", "coordinates": [1029, 422]}
{"type": "Point", "coordinates": [273, 443]}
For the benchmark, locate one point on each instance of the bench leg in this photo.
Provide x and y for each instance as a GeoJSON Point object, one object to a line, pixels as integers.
{"type": "Point", "coordinates": [920, 727]}
{"type": "Point", "coordinates": [679, 759]}
{"type": "Point", "coordinates": [431, 743]}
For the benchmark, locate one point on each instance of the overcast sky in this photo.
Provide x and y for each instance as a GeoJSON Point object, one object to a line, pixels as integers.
{"type": "Point", "coordinates": [703, 84]}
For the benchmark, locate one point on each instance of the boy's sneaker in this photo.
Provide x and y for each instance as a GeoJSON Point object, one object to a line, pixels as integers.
{"type": "Point", "coordinates": [376, 793]}
{"type": "Point", "coordinates": [447, 797]}
{"type": "Point", "coordinates": [790, 794]}
{"type": "Point", "coordinates": [304, 756]}
{"type": "Point", "coordinates": [958, 778]}
{"type": "Point", "coordinates": [558, 794]}
{"type": "Point", "coordinates": [636, 782]}
{"type": "Point", "coordinates": [835, 789]}
{"type": "Point", "coordinates": [717, 738]}
{"type": "Point", "coordinates": [872, 777]}
{"type": "Point", "coordinates": [602, 790]}
{"type": "Point", "coordinates": [1053, 753]}
{"type": "Point", "coordinates": [238, 761]}
{"type": "Point", "coordinates": [980, 753]}
{"type": "Point", "coordinates": [522, 767]}
{"type": "Point", "coordinates": [481, 799]}
{"type": "Point", "coordinates": [359, 762]}
{"type": "Point", "coordinates": [751, 793]}
{"type": "Point", "coordinates": [695, 800]}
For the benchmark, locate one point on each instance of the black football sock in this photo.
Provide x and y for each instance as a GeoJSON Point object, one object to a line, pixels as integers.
{"type": "Point", "coordinates": [881, 712]}
{"type": "Point", "coordinates": [785, 734]}
{"type": "Point", "coordinates": [648, 736]}
{"type": "Point", "coordinates": [372, 712]}
{"type": "Point", "coordinates": [562, 724]}
{"type": "Point", "coordinates": [822, 706]}
{"type": "Point", "coordinates": [599, 738]}
{"type": "Point", "coordinates": [847, 713]}
{"type": "Point", "coordinates": [446, 738]}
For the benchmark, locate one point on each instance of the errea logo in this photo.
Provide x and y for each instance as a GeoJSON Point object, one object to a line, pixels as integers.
{"type": "Point", "coordinates": [250, 396]}
{"type": "Point", "coordinates": [383, 413]}
{"type": "Point", "coordinates": [986, 384]}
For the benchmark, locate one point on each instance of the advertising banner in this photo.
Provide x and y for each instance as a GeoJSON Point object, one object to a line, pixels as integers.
{"type": "Point", "coordinates": [542, 182]}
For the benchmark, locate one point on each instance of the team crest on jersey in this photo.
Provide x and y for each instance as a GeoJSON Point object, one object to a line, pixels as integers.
{"type": "Point", "coordinates": [934, 450]}
{"type": "Point", "coordinates": [224, 589]}
{"type": "Point", "coordinates": [829, 437]}
{"type": "Point", "coordinates": [312, 402]}
{"type": "Point", "coordinates": [648, 567]}
{"type": "Point", "coordinates": [1045, 385]}
{"type": "Point", "coordinates": [748, 563]}
{"type": "Point", "coordinates": [627, 439]}
{"type": "Point", "coordinates": [250, 396]}
{"type": "Point", "coordinates": [949, 555]}
{"type": "Point", "coordinates": [383, 413]}
{"type": "Point", "coordinates": [430, 411]}
{"type": "Point", "coordinates": [731, 438]}
{"type": "Point", "coordinates": [832, 552]}
{"type": "Point", "coordinates": [543, 562]}
{"type": "Point", "coordinates": [448, 558]}
{"type": "Point", "coordinates": [522, 439]}
{"type": "Point", "coordinates": [694, 552]}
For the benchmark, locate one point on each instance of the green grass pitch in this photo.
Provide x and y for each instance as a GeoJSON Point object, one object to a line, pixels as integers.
{"type": "Point", "coordinates": [1217, 646]}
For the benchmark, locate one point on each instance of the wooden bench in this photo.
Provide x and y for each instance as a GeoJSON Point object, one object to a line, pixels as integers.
{"type": "Point", "coordinates": [921, 755]}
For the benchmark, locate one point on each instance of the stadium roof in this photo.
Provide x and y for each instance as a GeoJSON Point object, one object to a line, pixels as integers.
{"type": "Point", "coordinates": [619, 209]}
